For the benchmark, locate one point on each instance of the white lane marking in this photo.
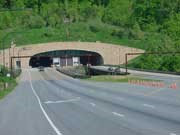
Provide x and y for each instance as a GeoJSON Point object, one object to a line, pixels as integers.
{"type": "Point", "coordinates": [149, 106]}
{"type": "Point", "coordinates": [44, 112]}
{"type": "Point", "coordinates": [93, 104]}
{"type": "Point", "coordinates": [118, 114]}
{"type": "Point", "coordinates": [172, 134]}
{"type": "Point", "coordinates": [62, 101]}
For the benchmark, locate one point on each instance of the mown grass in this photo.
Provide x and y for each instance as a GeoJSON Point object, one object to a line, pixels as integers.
{"type": "Point", "coordinates": [115, 78]}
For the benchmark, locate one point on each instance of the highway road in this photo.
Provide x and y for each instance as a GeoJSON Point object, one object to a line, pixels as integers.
{"type": "Point", "coordinates": [50, 103]}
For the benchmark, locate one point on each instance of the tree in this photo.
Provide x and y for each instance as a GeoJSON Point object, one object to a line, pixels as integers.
{"type": "Point", "coordinates": [30, 3]}
{"type": "Point", "coordinates": [172, 27]}
{"type": "Point", "coordinates": [117, 12]}
{"type": "Point", "coordinates": [154, 11]}
{"type": "Point", "coordinates": [7, 3]}
{"type": "Point", "coordinates": [100, 2]}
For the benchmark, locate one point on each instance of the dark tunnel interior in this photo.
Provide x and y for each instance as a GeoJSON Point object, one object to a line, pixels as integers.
{"type": "Point", "coordinates": [66, 58]}
{"type": "Point", "coordinates": [41, 61]}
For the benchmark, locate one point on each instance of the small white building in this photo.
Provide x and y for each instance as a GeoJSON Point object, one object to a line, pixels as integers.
{"type": "Point", "coordinates": [56, 62]}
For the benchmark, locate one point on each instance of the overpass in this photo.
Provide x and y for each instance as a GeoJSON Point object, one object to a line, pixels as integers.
{"type": "Point", "coordinates": [87, 52]}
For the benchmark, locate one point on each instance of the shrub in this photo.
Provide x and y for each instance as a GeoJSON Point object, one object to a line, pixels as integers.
{"type": "Point", "coordinates": [136, 32]}
{"type": "Point", "coordinates": [15, 73]}
{"type": "Point", "coordinates": [94, 28]}
{"type": "Point", "coordinates": [118, 32]}
{"type": "Point", "coordinates": [36, 22]}
{"type": "Point", "coordinates": [89, 12]}
{"type": "Point", "coordinates": [49, 32]}
{"type": "Point", "coordinates": [3, 71]}
{"type": "Point", "coordinates": [121, 32]}
{"type": "Point", "coordinates": [5, 20]}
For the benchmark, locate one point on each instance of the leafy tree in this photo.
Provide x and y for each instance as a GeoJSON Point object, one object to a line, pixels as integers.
{"type": "Point", "coordinates": [100, 2]}
{"type": "Point", "coordinates": [35, 21]}
{"type": "Point", "coordinates": [51, 14]}
{"type": "Point", "coordinates": [30, 3]}
{"type": "Point", "coordinates": [172, 26]}
{"type": "Point", "coordinates": [117, 12]}
{"type": "Point", "coordinates": [5, 20]}
{"type": "Point", "coordinates": [7, 3]}
{"type": "Point", "coordinates": [152, 24]}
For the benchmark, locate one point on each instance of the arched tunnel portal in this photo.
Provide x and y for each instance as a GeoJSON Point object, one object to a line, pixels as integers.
{"type": "Point", "coordinates": [66, 58]}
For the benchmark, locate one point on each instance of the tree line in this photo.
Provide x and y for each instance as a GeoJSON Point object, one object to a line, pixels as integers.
{"type": "Point", "coordinates": [156, 23]}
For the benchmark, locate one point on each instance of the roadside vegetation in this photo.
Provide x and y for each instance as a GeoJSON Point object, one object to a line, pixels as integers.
{"type": "Point", "coordinates": [116, 78]}
{"type": "Point", "coordinates": [75, 72]}
{"type": "Point", "coordinates": [149, 25]}
{"type": "Point", "coordinates": [7, 84]}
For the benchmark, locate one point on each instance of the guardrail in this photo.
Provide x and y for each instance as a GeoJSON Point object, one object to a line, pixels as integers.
{"type": "Point", "coordinates": [145, 70]}
{"type": "Point", "coordinates": [155, 71]}
{"type": "Point", "coordinates": [109, 71]}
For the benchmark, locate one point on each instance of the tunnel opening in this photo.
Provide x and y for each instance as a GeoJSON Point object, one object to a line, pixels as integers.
{"type": "Point", "coordinates": [93, 60]}
{"type": "Point", "coordinates": [65, 58]}
{"type": "Point", "coordinates": [40, 61]}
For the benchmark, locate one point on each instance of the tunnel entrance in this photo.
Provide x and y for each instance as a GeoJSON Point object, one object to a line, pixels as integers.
{"type": "Point", "coordinates": [40, 61]}
{"type": "Point", "coordinates": [64, 58]}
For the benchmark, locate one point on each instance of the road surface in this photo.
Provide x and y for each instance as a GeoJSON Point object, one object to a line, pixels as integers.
{"type": "Point", "coordinates": [49, 103]}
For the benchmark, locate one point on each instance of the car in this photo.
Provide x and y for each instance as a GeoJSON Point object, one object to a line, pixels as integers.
{"type": "Point", "coordinates": [110, 69]}
{"type": "Point", "coordinates": [41, 68]}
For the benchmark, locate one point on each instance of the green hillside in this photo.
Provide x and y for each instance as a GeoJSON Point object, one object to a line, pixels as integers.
{"type": "Point", "coordinates": [151, 25]}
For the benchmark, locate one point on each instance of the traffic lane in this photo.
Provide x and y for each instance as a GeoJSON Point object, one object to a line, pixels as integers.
{"type": "Point", "coordinates": [46, 90]}
{"type": "Point", "coordinates": [71, 114]}
{"type": "Point", "coordinates": [164, 95]}
{"type": "Point", "coordinates": [133, 129]}
{"type": "Point", "coordinates": [165, 121]}
{"type": "Point", "coordinates": [156, 76]}
{"type": "Point", "coordinates": [77, 118]}
{"type": "Point", "coordinates": [119, 95]}
{"type": "Point", "coordinates": [147, 126]}
{"type": "Point", "coordinates": [64, 120]}
{"type": "Point", "coordinates": [167, 95]}
{"type": "Point", "coordinates": [168, 80]}
{"type": "Point", "coordinates": [162, 110]}
{"type": "Point", "coordinates": [20, 113]}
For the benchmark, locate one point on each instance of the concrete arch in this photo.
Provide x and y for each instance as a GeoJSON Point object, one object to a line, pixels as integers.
{"type": "Point", "coordinates": [112, 54]}
{"type": "Point", "coordinates": [84, 57]}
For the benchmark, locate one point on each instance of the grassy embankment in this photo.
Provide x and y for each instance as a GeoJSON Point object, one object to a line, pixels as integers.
{"type": "Point", "coordinates": [122, 79]}
{"type": "Point", "coordinates": [99, 31]}
{"type": "Point", "coordinates": [10, 85]}
{"type": "Point", "coordinates": [81, 73]}
{"type": "Point", "coordinates": [85, 32]}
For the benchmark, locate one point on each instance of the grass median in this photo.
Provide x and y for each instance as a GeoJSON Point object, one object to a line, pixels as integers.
{"type": "Point", "coordinates": [116, 78]}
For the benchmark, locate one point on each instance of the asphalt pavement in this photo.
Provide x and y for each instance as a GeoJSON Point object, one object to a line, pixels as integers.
{"type": "Point", "coordinates": [50, 103]}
